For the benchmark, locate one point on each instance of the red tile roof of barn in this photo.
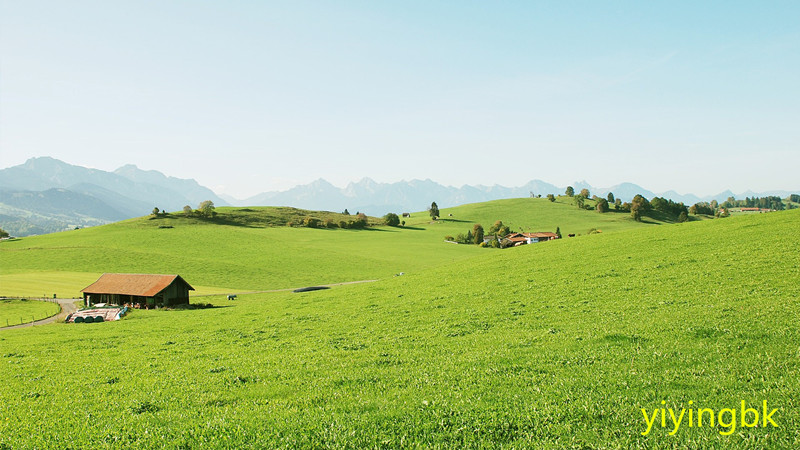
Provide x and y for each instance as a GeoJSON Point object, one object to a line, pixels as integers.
{"type": "Point", "coordinates": [143, 285]}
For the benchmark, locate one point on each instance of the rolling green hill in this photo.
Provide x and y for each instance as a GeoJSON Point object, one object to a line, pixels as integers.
{"type": "Point", "coordinates": [252, 249]}
{"type": "Point", "coordinates": [550, 345]}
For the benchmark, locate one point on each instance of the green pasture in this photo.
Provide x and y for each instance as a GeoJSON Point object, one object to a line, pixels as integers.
{"type": "Point", "coordinates": [245, 249]}
{"type": "Point", "coordinates": [16, 311]}
{"type": "Point", "coordinates": [553, 345]}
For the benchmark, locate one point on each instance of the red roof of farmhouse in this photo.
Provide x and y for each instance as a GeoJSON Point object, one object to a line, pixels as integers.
{"type": "Point", "coordinates": [540, 234]}
{"type": "Point", "coordinates": [143, 285]}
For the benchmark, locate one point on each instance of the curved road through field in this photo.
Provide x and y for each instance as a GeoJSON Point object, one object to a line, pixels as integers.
{"type": "Point", "coordinates": [67, 307]}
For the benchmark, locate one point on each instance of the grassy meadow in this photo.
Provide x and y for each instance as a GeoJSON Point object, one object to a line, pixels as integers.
{"type": "Point", "coordinates": [17, 311]}
{"type": "Point", "coordinates": [245, 249]}
{"type": "Point", "coordinates": [559, 344]}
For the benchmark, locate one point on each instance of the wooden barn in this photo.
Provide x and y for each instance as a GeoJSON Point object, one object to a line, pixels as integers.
{"type": "Point", "coordinates": [143, 290]}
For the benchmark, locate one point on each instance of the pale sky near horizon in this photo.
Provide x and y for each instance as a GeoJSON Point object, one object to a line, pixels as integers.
{"type": "Point", "coordinates": [247, 97]}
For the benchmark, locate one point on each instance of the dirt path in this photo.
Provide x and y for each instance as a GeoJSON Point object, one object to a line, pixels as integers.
{"type": "Point", "coordinates": [67, 307]}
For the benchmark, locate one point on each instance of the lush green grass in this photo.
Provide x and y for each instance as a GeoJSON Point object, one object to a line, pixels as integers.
{"type": "Point", "coordinates": [250, 249]}
{"type": "Point", "coordinates": [15, 311]}
{"type": "Point", "coordinates": [550, 345]}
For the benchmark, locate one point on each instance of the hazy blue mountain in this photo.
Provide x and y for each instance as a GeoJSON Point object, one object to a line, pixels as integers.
{"type": "Point", "coordinates": [687, 199]}
{"type": "Point", "coordinates": [377, 199]}
{"type": "Point", "coordinates": [35, 212]}
{"type": "Point", "coordinates": [187, 188]}
{"type": "Point", "coordinates": [45, 195]}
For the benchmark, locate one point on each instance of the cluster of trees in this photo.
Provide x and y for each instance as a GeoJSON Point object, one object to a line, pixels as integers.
{"type": "Point", "coordinates": [474, 236]}
{"type": "Point", "coordinates": [204, 209]}
{"type": "Point", "coordinates": [716, 209]}
{"type": "Point", "coordinates": [703, 208]}
{"type": "Point", "coordinates": [3, 233]}
{"type": "Point", "coordinates": [770, 202]}
{"type": "Point", "coordinates": [393, 220]}
{"type": "Point", "coordinates": [359, 222]}
{"type": "Point", "coordinates": [477, 233]}
{"type": "Point", "coordinates": [670, 207]}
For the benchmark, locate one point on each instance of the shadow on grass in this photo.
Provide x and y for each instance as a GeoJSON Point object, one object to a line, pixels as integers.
{"type": "Point", "coordinates": [454, 220]}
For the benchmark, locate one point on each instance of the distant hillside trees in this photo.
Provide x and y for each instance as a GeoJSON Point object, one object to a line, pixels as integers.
{"type": "Point", "coordinates": [434, 210]}
{"type": "Point", "coordinates": [3, 233]}
{"type": "Point", "coordinates": [391, 219]}
{"type": "Point", "coordinates": [187, 210]}
{"type": "Point", "coordinates": [498, 229]}
{"type": "Point", "coordinates": [602, 205]}
{"type": "Point", "coordinates": [360, 221]}
{"type": "Point", "coordinates": [462, 238]}
{"type": "Point", "coordinates": [683, 217]}
{"type": "Point", "coordinates": [585, 193]}
{"type": "Point", "coordinates": [477, 233]}
{"type": "Point", "coordinates": [311, 222]}
{"type": "Point", "coordinates": [551, 197]}
{"type": "Point", "coordinates": [579, 201]}
{"type": "Point", "coordinates": [794, 198]}
{"type": "Point", "coordinates": [668, 206]}
{"type": "Point", "coordinates": [570, 191]}
{"type": "Point", "coordinates": [206, 208]}
{"type": "Point", "coordinates": [617, 204]}
{"type": "Point", "coordinates": [770, 202]}
{"type": "Point", "coordinates": [610, 198]}
{"type": "Point", "coordinates": [638, 206]}
{"type": "Point", "coordinates": [701, 208]}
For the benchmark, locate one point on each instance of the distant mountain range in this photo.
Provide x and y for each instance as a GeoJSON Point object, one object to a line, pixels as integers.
{"type": "Point", "coordinates": [376, 199]}
{"type": "Point", "coordinates": [45, 195]}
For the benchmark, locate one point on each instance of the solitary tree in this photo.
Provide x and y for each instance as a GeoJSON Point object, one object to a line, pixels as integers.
{"type": "Point", "coordinates": [610, 198]}
{"type": "Point", "coordinates": [434, 210]}
{"type": "Point", "coordinates": [206, 208]}
{"type": "Point", "coordinates": [551, 197]}
{"type": "Point", "coordinates": [477, 233]}
{"type": "Point", "coordinates": [683, 217]}
{"type": "Point", "coordinates": [155, 211]}
{"type": "Point", "coordinates": [3, 233]}
{"type": "Point", "coordinates": [635, 213]}
{"type": "Point", "coordinates": [585, 193]}
{"type": "Point", "coordinates": [558, 232]}
{"type": "Point", "coordinates": [346, 212]}
{"type": "Point", "coordinates": [617, 203]}
{"type": "Point", "coordinates": [187, 210]}
{"type": "Point", "coordinates": [641, 201]}
{"type": "Point", "coordinates": [602, 205]}
{"type": "Point", "coordinates": [361, 221]}
{"type": "Point", "coordinates": [570, 191]}
{"type": "Point", "coordinates": [391, 219]}
{"type": "Point", "coordinates": [579, 200]}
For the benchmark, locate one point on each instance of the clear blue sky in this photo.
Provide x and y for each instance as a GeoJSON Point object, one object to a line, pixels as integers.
{"type": "Point", "coordinates": [249, 96]}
